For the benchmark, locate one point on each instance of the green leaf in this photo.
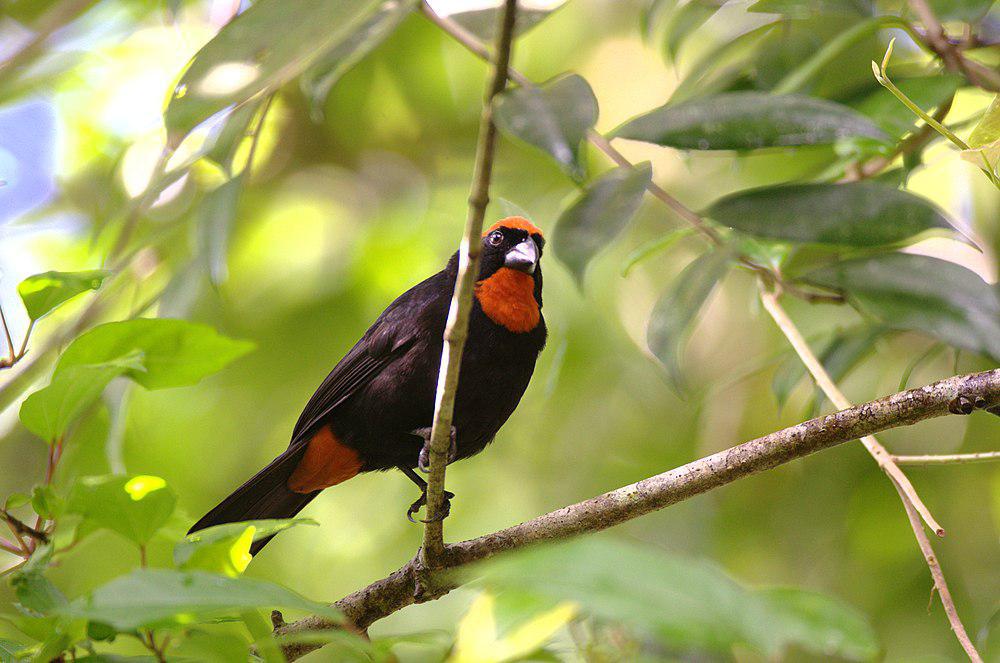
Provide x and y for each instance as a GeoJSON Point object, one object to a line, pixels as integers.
{"type": "Point", "coordinates": [748, 121]}
{"type": "Point", "coordinates": [684, 21]}
{"type": "Point", "coordinates": [215, 218]}
{"type": "Point", "coordinates": [852, 214]}
{"type": "Point", "coordinates": [799, 10]}
{"type": "Point", "coordinates": [919, 293]}
{"type": "Point", "coordinates": [135, 507]}
{"type": "Point", "coordinates": [894, 118]}
{"type": "Point", "coordinates": [679, 305]}
{"type": "Point", "coordinates": [967, 11]}
{"type": "Point", "coordinates": [598, 215]}
{"type": "Point", "coordinates": [317, 82]}
{"type": "Point", "coordinates": [175, 353]}
{"type": "Point", "coordinates": [225, 548]}
{"type": "Point", "coordinates": [686, 604]}
{"type": "Point", "coordinates": [159, 597]}
{"type": "Point", "coordinates": [985, 140]}
{"type": "Point", "coordinates": [554, 117]}
{"type": "Point", "coordinates": [254, 54]}
{"type": "Point", "coordinates": [483, 22]}
{"type": "Point", "coordinates": [821, 624]}
{"type": "Point", "coordinates": [652, 247]}
{"type": "Point", "coordinates": [42, 293]}
{"type": "Point", "coordinates": [16, 500]}
{"type": "Point", "coordinates": [9, 650]}
{"type": "Point", "coordinates": [48, 412]}
{"type": "Point", "coordinates": [46, 502]}
{"type": "Point", "coordinates": [212, 647]}
{"type": "Point", "coordinates": [722, 65]}
{"type": "Point", "coordinates": [36, 595]}
{"type": "Point", "coordinates": [226, 140]}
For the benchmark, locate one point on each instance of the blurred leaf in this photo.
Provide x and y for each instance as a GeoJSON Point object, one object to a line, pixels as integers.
{"type": "Point", "coordinates": [684, 21]}
{"type": "Point", "coordinates": [968, 11]}
{"type": "Point", "coordinates": [598, 215]}
{"type": "Point", "coordinates": [46, 502]}
{"type": "Point", "coordinates": [748, 121]}
{"type": "Point", "coordinates": [723, 64]}
{"type": "Point", "coordinates": [821, 624]}
{"type": "Point", "coordinates": [214, 647]}
{"type": "Point", "coordinates": [685, 603]}
{"type": "Point", "coordinates": [229, 136]}
{"type": "Point", "coordinates": [49, 411]}
{"type": "Point", "coordinates": [15, 500]}
{"type": "Point", "coordinates": [175, 353]}
{"type": "Point", "coordinates": [851, 214]}
{"type": "Point", "coordinates": [653, 247]}
{"type": "Point", "coordinates": [135, 507]}
{"type": "Point", "coordinates": [554, 117]}
{"type": "Point", "coordinates": [161, 597]}
{"type": "Point", "coordinates": [319, 79]}
{"type": "Point", "coordinates": [477, 638]}
{"type": "Point", "coordinates": [842, 354]}
{"type": "Point", "coordinates": [9, 650]}
{"type": "Point", "coordinates": [925, 294]}
{"type": "Point", "coordinates": [42, 293]}
{"type": "Point", "coordinates": [270, 43]}
{"type": "Point", "coordinates": [36, 595]}
{"type": "Point", "coordinates": [677, 308]}
{"type": "Point", "coordinates": [985, 140]}
{"type": "Point", "coordinates": [215, 219]}
{"type": "Point", "coordinates": [225, 548]}
{"type": "Point", "coordinates": [928, 92]}
{"type": "Point", "coordinates": [798, 9]}
{"type": "Point", "coordinates": [483, 22]}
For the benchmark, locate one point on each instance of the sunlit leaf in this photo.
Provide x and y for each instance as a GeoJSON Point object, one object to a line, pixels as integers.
{"type": "Point", "coordinates": [42, 293]}
{"type": "Point", "coordinates": [852, 214]}
{"type": "Point", "coordinates": [924, 294]}
{"type": "Point", "coordinates": [161, 597]}
{"type": "Point", "coordinates": [677, 308]}
{"type": "Point", "coordinates": [747, 121]}
{"type": "Point", "coordinates": [821, 624]}
{"type": "Point", "coordinates": [598, 215]}
{"type": "Point", "coordinates": [984, 140]}
{"type": "Point", "coordinates": [225, 548]}
{"type": "Point", "coordinates": [270, 43]}
{"type": "Point", "coordinates": [554, 117]}
{"type": "Point", "coordinates": [317, 82]}
{"type": "Point", "coordinates": [174, 353]}
{"type": "Point", "coordinates": [135, 507]}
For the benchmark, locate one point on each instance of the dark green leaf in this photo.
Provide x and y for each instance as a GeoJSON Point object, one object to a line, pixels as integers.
{"type": "Point", "coordinates": [554, 117]}
{"type": "Point", "coordinates": [598, 216]}
{"type": "Point", "coordinates": [821, 624]}
{"type": "Point", "coordinates": [799, 10]}
{"type": "Point", "coordinates": [684, 21]}
{"type": "Point", "coordinates": [677, 308]}
{"type": "Point", "coordinates": [852, 214]}
{"type": "Point", "coordinates": [48, 412]}
{"type": "Point", "coordinates": [42, 293]}
{"type": "Point", "coordinates": [161, 597]}
{"type": "Point", "coordinates": [925, 294]}
{"type": "Point", "coordinates": [174, 353]}
{"type": "Point", "coordinates": [215, 219]}
{"type": "Point", "coordinates": [749, 120]}
{"type": "Point", "coordinates": [483, 22]}
{"type": "Point", "coordinates": [317, 82]}
{"type": "Point", "coordinates": [254, 54]}
{"type": "Point", "coordinates": [221, 549]}
{"type": "Point", "coordinates": [135, 507]}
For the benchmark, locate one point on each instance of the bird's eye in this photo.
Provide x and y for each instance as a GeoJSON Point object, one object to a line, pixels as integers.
{"type": "Point", "coordinates": [495, 238]}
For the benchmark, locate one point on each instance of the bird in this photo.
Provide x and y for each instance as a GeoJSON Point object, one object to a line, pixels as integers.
{"type": "Point", "coordinates": [374, 411]}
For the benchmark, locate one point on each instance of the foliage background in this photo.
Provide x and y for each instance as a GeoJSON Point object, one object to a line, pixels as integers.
{"type": "Point", "coordinates": [346, 211]}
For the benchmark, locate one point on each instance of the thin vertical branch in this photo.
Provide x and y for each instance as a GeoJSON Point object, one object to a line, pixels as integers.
{"type": "Point", "coordinates": [6, 333]}
{"type": "Point", "coordinates": [457, 326]}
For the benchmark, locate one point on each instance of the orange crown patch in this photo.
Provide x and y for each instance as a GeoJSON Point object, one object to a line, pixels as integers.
{"type": "Point", "coordinates": [518, 222]}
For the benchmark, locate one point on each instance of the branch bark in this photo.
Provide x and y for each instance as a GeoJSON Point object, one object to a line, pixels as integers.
{"type": "Point", "coordinates": [978, 74]}
{"type": "Point", "coordinates": [457, 327]}
{"type": "Point", "coordinates": [417, 583]}
{"type": "Point", "coordinates": [948, 459]}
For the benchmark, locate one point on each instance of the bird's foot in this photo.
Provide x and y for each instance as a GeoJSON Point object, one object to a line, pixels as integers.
{"type": "Point", "coordinates": [421, 502]}
{"type": "Point", "coordinates": [424, 459]}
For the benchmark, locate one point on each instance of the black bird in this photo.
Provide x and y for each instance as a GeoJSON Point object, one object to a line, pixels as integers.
{"type": "Point", "coordinates": [375, 408]}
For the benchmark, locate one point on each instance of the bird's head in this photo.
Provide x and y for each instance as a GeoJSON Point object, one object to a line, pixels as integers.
{"type": "Point", "coordinates": [512, 243]}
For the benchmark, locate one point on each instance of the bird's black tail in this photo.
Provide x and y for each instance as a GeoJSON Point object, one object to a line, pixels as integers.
{"type": "Point", "coordinates": [265, 495]}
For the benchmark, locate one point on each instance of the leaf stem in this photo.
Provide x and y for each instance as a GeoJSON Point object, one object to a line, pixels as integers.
{"type": "Point", "coordinates": [456, 329]}
{"type": "Point", "coordinates": [949, 459]}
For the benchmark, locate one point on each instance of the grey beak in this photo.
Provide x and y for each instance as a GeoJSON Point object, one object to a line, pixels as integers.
{"type": "Point", "coordinates": [523, 257]}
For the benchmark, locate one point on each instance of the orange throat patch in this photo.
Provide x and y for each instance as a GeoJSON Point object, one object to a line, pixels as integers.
{"type": "Point", "coordinates": [508, 299]}
{"type": "Point", "coordinates": [326, 463]}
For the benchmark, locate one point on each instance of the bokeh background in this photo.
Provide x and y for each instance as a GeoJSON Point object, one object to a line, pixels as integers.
{"type": "Point", "coordinates": [353, 202]}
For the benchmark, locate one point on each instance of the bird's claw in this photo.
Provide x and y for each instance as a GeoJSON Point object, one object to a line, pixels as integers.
{"type": "Point", "coordinates": [424, 458]}
{"type": "Point", "coordinates": [421, 501]}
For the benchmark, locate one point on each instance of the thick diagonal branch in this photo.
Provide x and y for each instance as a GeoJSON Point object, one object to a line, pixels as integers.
{"type": "Point", "coordinates": [400, 589]}
{"type": "Point", "coordinates": [457, 327]}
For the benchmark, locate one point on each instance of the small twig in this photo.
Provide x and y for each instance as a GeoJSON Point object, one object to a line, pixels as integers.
{"type": "Point", "coordinates": [948, 459]}
{"type": "Point", "coordinates": [939, 582]}
{"type": "Point", "coordinates": [456, 329]}
{"type": "Point", "coordinates": [142, 202]}
{"type": "Point", "coordinates": [255, 134]}
{"type": "Point", "coordinates": [21, 529]}
{"type": "Point", "coordinates": [978, 74]}
{"type": "Point", "coordinates": [815, 367]}
{"type": "Point", "coordinates": [12, 548]}
{"type": "Point", "coordinates": [60, 15]}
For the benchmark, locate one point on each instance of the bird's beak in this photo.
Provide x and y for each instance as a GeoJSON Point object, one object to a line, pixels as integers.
{"type": "Point", "coordinates": [523, 257]}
